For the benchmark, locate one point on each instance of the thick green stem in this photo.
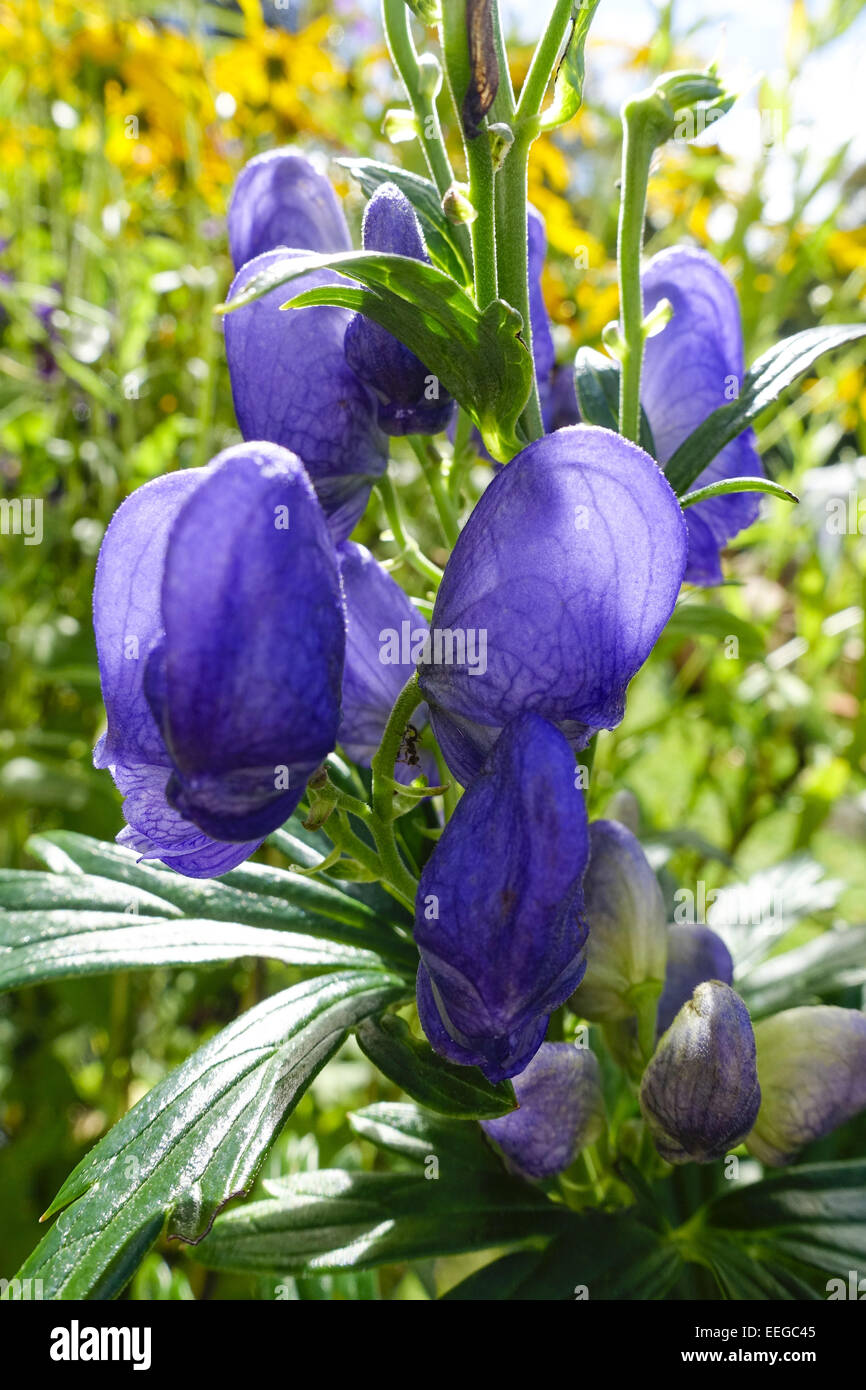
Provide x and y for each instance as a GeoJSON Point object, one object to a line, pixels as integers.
{"type": "Point", "coordinates": [639, 142]}
{"type": "Point", "coordinates": [512, 254]}
{"type": "Point", "coordinates": [479, 157]}
{"type": "Point", "coordinates": [544, 60]}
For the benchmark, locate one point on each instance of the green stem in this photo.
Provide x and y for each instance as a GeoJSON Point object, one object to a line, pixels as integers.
{"type": "Point", "coordinates": [639, 142]}
{"type": "Point", "coordinates": [544, 60]}
{"type": "Point", "coordinates": [512, 253]}
{"type": "Point", "coordinates": [479, 158]}
{"type": "Point", "coordinates": [382, 821]}
{"type": "Point", "coordinates": [410, 550]}
{"type": "Point", "coordinates": [431, 466]}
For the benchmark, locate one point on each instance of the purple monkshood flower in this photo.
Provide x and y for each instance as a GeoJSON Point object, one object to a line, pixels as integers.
{"type": "Point", "coordinates": [693, 366]}
{"type": "Point", "coordinates": [695, 954]}
{"type": "Point", "coordinates": [411, 401]}
{"type": "Point", "coordinates": [499, 913]}
{"type": "Point", "coordinates": [543, 352]}
{"type": "Point", "coordinates": [812, 1065]}
{"type": "Point", "coordinates": [280, 199]}
{"type": "Point", "coordinates": [700, 1094]}
{"type": "Point", "coordinates": [220, 634]}
{"type": "Point", "coordinates": [292, 385]}
{"type": "Point", "coordinates": [384, 633]}
{"type": "Point", "coordinates": [570, 564]}
{"type": "Point", "coordinates": [561, 1110]}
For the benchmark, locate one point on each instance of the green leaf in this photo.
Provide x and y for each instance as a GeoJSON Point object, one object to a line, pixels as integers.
{"type": "Point", "coordinates": [414, 1134]}
{"type": "Point", "coordinates": [478, 356]}
{"type": "Point", "coordinates": [568, 88]}
{"type": "Point", "coordinates": [439, 234]}
{"type": "Point", "coordinates": [62, 944]}
{"type": "Point", "coordinates": [23, 889]}
{"type": "Point", "coordinates": [334, 1220]}
{"type": "Point", "coordinates": [597, 1255]}
{"type": "Point", "coordinates": [741, 1277]}
{"type": "Point", "coordinates": [596, 384]}
{"type": "Point", "coordinates": [255, 894]}
{"type": "Point", "coordinates": [754, 915]}
{"type": "Point", "coordinates": [197, 1139]}
{"type": "Point", "coordinates": [815, 1215]}
{"type": "Point", "coordinates": [741, 484]}
{"type": "Point", "coordinates": [462, 1092]}
{"type": "Point", "coordinates": [828, 962]}
{"type": "Point", "coordinates": [764, 382]}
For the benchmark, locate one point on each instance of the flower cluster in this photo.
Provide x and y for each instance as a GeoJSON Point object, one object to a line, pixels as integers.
{"type": "Point", "coordinates": [240, 631]}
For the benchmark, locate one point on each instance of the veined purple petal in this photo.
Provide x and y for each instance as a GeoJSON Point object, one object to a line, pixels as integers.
{"type": "Point", "coordinates": [280, 199]}
{"type": "Point", "coordinates": [700, 1094]}
{"type": "Point", "coordinates": [246, 682]}
{"type": "Point", "coordinates": [693, 366]}
{"type": "Point", "coordinates": [292, 386]}
{"type": "Point", "coordinates": [498, 918]}
{"type": "Point", "coordinates": [383, 629]}
{"type": "Point", "coordinates": [156, 830]}
{"type": "Point", "coordinates": [561, 1110]}
{"type": "Point", "coordinates": [570, 566]}
{"type": "Point", "coordinates": [411, 400]}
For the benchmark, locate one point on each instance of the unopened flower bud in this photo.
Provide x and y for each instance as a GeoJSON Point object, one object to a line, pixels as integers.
{"type": "Point", "coordinates": [429, 75]}
{"type": "Point", "coordinates": [457, 205]}
{"type": "Point", "coordinates": [627, 931]}
{"type": "Point", "coordinates": [695, 954]}
{"type": "Point", "coordinates": [561, 1110]}
{"type": "Point", "coordinates": [812, 1065]}
{"type": "Point", "coordinates": [700, 1092]}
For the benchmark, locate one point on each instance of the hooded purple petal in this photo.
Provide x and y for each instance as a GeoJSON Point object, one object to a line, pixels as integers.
{"type": "Point", "coordinates": [246, 681]}
{"type": "Point", "coordinates": [127, 619]}
{"type": "Point", "coordinates": [561, 1110]}
{"type": "Point", "coordinates": [404, 386]}
{"type": "Point", "coordinates": [280, 199]}
{"type": "Point", "coordinates": [700, 1094]}
{"type": "Point", "coordinates": [292, 386]}
{"type": "Point", "coordinates": [695, 954]}
{"type": "Point", "coordinates": [383, 628]}
{"type": "Point", "coordinates": [693, 366]}
{"type": "Point", "coordinates": [568, 568]}
{"type": "Point", "coordinates": [498, 918]}
{"type": "Point", "coordinates": [812, 1065]}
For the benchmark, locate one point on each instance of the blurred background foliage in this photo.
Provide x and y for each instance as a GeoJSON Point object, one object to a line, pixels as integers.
{"type": "Point", "coordinates": [122, 128]}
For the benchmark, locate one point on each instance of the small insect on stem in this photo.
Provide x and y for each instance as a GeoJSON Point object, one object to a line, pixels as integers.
{"type": "Point", "coordinates": [409, 747]}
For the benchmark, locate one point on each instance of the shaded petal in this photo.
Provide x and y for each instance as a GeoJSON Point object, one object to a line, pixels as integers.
{"type": "Point", "coordinates": [156, 831]}
{"type": "Point", "coordinates": [498, 918]}
{"type": "Point", "coordinates": [571, 564]}
{"type": "Point", "coordinates": [248, 677]}
{"type": "Point", "coordinates": [280, 199]}
{"type": "Point", "coordinates": [127, 614]}
{"type": "Point", "coordinates": [381, 623]}
{"type": "Point", "coordinates": [690, 369]}
{"type": "Point", "coordinates": [561, 1110]}
{"type": "Point", "coordinates": [695, 954]}
{"type": "Point", "coordinates": [543, 352]}
{"type": "Point", "coordinates": [291, 385]}
{"type": "Point", "coordinates": [399, 378]}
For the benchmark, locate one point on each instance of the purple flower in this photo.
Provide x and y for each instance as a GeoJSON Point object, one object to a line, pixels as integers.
{"type": "Point", "coordinates": [561, 1110]}
{"type": "Point", "coordinates": [543, 353]}
{"type": "Point", "coordinates": [499, 912]}
{"type": "Point", "coordinates": [383, 630]}
{"type": "Point", "coordinates": [700, 1094]}
{"type": "Point", "coordinates": [292, 385]}
{"type": "Point", "coordinates": [220, 635]}
{"type": "Point", "coordinates": [691, 367]}
{"type": "Point", "coordinates": [410, 398]}
{"type": "Point", "coordinates": [570, 566]}
{"type": "Point", "coordinates": [695, 954]}
{"type": "Point", "coordinates": [280, 199]}
{"type": "Point", "coordinates": [812, 1065]}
